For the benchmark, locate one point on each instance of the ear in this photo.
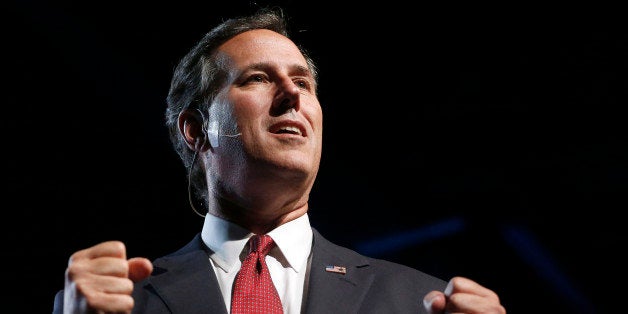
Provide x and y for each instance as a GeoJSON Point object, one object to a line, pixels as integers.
{"type": "Point", "coordinates": [191, 128]}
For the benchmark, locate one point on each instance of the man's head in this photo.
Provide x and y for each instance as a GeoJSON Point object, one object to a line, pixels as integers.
{"type": "Point", "coordinates": [254, 91]}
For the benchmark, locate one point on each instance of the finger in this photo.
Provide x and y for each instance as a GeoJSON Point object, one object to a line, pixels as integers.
{"type": "Point", "coordinates": [467, 296]}
{"type": "Point", "coordinates": [101, 302]}
{"type": "Point", "coordinates": [465, 285]}
{"type": "Point", "coordinates": [99, 294]}
{"type": "Point", "coordinates": [104, 266]}
{"type": "Point", "coordinates": [434, 302]}
{"type": "Point", "coordinates": [108, 248]}
{"type": "Point", "coordinates": [473, 303]}
{"type": "Point", "coordinates": [91, 284]}
{"type": "Point", "coordinates": [139, 268]}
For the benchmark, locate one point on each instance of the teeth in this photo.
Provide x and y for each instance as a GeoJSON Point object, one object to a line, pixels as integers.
{"type": "Point", "coordinates": [291, 129]}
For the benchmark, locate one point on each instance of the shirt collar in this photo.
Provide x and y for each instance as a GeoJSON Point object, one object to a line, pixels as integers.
{"type": "Point", "coordinates": [226, 240]}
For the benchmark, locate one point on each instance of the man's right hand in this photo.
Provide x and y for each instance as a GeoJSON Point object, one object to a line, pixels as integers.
{"type": "Point", "coordinates": [100, 279]}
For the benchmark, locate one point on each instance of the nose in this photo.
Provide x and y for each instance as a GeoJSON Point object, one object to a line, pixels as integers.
{"type": "Point", "coordinates": [287, 97]}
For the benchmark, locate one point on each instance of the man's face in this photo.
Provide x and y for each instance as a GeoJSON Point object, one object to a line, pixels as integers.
{"type": "Point", "coordinates": [269, 100]}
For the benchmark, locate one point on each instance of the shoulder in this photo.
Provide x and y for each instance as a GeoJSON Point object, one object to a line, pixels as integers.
{"type": "Point", "coordinates": [375, 285]}
{"type": "Point", "coordinates": [382, 269]}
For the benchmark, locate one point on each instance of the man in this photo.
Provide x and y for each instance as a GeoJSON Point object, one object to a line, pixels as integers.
{"type": "Point", "coordinates": [244, 116]}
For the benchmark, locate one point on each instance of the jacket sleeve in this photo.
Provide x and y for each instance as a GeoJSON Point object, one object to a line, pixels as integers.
{"type": "Point", "coordinates": [57, 308]}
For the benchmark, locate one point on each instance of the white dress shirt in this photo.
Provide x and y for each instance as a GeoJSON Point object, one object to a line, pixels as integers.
{"type": "Point", "coordinates": [287, 261]}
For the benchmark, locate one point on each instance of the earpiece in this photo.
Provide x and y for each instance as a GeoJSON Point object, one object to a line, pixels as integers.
{"type": "Point", "coordinates": [209, 129]}
{"type": "Point", "coordinates": [212, 133]}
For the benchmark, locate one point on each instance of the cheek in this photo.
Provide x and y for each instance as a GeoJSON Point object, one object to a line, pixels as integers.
{"type": "Point", "coordinates": [248, 116]}
{"type": "Point", "coordinates": [315, 116]}
{"type": "Point", "coordinates": [247, 109]}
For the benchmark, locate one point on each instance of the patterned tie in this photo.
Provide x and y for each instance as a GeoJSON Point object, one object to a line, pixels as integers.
{"type": "Point", "coordinates": [253, 291]}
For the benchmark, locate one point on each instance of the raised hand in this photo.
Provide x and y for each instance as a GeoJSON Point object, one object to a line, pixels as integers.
{"type": "Point", "coordinates": [463, 295]}
{"type": "Point", "coordinates": [100, 279]}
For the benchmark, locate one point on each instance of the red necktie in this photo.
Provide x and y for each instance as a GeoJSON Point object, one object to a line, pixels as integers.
{"type": "Point", "coordinates": [253, 291]}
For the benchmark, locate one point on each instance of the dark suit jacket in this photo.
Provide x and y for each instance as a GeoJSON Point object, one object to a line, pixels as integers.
{"type": "Point", "coordinates": [184, 282]}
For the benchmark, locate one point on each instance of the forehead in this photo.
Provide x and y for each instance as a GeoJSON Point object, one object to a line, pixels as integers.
{"type": "Point", "coordinates": [261, 45]}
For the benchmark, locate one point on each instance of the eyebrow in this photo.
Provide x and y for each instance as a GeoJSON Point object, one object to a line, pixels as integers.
{"type": "Point", "coordinates": [296, 68]}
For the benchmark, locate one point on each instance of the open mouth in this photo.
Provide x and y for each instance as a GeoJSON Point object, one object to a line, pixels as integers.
{"type": "Point", "coordinates": [288, 128]}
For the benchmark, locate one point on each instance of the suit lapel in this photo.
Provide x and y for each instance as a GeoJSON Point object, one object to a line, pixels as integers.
{"type": "Point", "coordinates": [332, 292]}
{"type": "Point", "coordinates": [186, 282]}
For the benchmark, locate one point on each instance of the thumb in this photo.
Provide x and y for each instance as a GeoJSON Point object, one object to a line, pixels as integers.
{"type": "Point", "coordinates": [139, 268]}
{"type": "Point", "coordinates": [434, 302]}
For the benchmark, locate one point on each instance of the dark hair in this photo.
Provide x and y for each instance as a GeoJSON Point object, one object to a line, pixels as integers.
{"type": "Point", "coordinates": [198, 78]}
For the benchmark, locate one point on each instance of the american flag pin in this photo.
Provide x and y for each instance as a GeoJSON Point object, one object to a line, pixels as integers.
{"type": "Point", "coordinates": [336, 269]}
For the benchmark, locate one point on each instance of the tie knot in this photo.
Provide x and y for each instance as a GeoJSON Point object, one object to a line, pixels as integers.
{"type": "Point", "coordinates": [261, 244]}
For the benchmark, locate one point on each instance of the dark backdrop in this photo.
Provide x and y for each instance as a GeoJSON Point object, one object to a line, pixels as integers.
{"type": "Point", "coordinates": [488, 142]}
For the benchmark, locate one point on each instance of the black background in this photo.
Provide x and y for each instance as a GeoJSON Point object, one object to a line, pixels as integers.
{"type": "Point", "coordinates": [489, 141]}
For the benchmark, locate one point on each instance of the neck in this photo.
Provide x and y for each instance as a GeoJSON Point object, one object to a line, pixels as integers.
{"type": "Point", "coordinates": [257, 217]}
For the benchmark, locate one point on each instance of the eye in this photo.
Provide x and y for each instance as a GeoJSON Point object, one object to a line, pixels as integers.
{"type": "Point", "coordinates": [303, 84]}
{"type": "Point", "coordinates": [255, 78]}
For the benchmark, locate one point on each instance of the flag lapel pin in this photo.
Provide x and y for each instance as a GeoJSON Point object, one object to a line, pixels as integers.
{"type": "Point", "coordinates": [336, 269]}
